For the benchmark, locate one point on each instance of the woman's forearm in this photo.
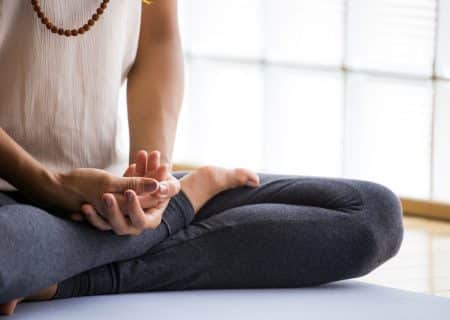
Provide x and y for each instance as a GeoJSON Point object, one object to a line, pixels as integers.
{"type": "Point", "coordinates": [156, 82]}
{"type": "Point", "coordinates": [22, 171]}
{"type": "Point", "coordinates": [66, 191]}
{"type": "Point", "coordinates": [154, 101]}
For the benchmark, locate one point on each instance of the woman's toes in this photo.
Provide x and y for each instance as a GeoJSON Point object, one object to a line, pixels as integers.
{"type": "Point", "coordinates": [246, 177]}
{"type": "Point", "coordinates": [9, 307]}
{"type": "Point", "coordinates": [219, 178]}
{"type": "Point", "coordinates": [253, 179]}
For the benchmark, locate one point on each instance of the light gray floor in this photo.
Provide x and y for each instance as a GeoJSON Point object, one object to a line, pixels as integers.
{"type": "Point", "coordinates": [347, 300]}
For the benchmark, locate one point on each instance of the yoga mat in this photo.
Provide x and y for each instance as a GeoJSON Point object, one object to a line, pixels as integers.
{"type": "Point", "coordinates": [346, 300]}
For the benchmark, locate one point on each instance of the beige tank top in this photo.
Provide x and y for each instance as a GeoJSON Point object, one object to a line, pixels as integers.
{"type": "Point", "coordinates": [59, 96]}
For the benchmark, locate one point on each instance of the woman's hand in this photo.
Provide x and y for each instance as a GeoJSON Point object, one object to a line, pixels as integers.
{"type": "Point", "coordinates": [132, 213]}
{"type": "Point", "coordinates": [80, 186]}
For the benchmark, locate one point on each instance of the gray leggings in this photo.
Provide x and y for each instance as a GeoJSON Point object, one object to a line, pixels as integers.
{"type": "Point", "coordinates": [291, 231]}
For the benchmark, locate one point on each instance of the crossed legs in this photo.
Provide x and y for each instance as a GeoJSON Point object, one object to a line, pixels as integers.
{"type": "Point", "coordinates": [291, 231]}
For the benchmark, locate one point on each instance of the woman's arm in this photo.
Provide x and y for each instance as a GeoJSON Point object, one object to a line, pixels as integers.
{"type": "Point", "coordinates": [67, 191]}
{"type": "Point", "coordinates": [155, 83]}
{"type": "Point", "coordinates": [22, 171]}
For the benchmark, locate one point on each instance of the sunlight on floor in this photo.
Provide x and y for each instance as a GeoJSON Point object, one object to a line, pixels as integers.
{"type": "Point", "coordinates": [423, 263]}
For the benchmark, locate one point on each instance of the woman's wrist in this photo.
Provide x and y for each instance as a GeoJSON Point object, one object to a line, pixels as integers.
{"type": "Point", "coordinates": [47, 188]}
{"type": "Point", "coordinates": [50, 182]}
{"type": "Point", "coordinates": [44, 186]}
{"type": "Point", "coordinates": [30, 177]}
{"type": "Point", "coordinates": [59, 190]}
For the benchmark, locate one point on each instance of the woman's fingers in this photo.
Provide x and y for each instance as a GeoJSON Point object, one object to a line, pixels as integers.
{"type": "Point", "coordinates": [131, 171]}
{"type": "Point", "coordinates": [168, 185]}
{"type": "Point", "coordinates": [94, 218]}
{"type": "Point", "coordinates": [115, 217]}
{"type": "Point", "coordinates": [153, 161]}
{"type": "Point", "coordinates": [139, 168]}
{"type": "Point", "coordinates": [138, 217]}
{"type": "Point", "coordinates": [141, 163]}
{"type": "Point", "coordinates": [146, 200]}
{"type": "Point", "coordinates": [162, 172]}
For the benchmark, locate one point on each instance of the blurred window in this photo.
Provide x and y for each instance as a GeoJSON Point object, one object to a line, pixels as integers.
{"type": "Point", "coordinates": [345, 88]}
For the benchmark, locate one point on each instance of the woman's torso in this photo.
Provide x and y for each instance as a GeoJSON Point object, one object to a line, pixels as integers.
{"type": "Point", "coordinates": [59, 95]}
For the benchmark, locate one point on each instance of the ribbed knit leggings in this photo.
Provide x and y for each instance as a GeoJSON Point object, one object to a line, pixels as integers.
{"type": "Point", "coordinates": [291, 231]}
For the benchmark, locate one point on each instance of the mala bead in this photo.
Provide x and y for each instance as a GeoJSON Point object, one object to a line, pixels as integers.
{"type": "Point", "coordinates": [69, 32]}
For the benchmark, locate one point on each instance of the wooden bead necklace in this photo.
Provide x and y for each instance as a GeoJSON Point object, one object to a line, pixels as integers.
{"type": "Point", "coordinates": [67, 32]}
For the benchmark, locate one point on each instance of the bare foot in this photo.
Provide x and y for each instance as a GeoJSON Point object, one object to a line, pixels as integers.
{"type": "Point", "coordinates": [9, 307]}
{"type": "Point", "coordinates": [45, 294]}
{"type": "Point", "coordinates": [202, 184]}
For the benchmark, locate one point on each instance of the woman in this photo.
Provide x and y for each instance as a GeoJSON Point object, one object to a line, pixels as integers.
{"type": "Point", "coordinates": [70, 226]}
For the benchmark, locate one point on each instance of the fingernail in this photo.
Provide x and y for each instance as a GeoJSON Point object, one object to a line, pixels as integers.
{"type": "Point", "coordinates": [108, 202]}
{"type": "Point", "coordinates": [129, 196]}
{"type": "Point", "coordinates": [149, 186]}
{"type": "Point", "coordinates": [163, 188]}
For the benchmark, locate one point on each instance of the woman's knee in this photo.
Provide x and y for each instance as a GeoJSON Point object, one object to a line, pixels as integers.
{"type": "Point", "coordinates": [380, 222]}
